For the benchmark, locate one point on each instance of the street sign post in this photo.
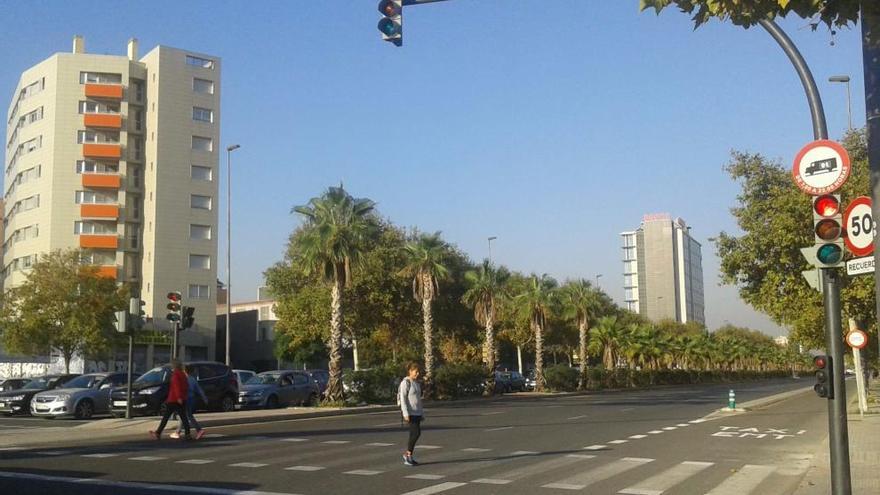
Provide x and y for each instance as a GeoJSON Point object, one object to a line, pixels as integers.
{"type": "Point", "coordinates": [858, 339]}
{"type": "Point", "coordinates": [821, 167]}
{"type": "Point", "coordinates": [860, 266]}
{"type": "Point", "coordinates": [859, 225]}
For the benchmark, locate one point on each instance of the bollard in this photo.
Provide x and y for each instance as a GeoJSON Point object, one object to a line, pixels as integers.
{"type": "Point", "coordinates": [731, 400]}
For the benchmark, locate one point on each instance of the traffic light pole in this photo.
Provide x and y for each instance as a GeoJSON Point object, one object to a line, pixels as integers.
{"type": "Point", "coordinates": [841, 483]}
{"type": "Point", "coordinates": [870, 53]}
{"type": "Point", "coordinates": [130, 376]}
{"type": "Point", "coordinates": [175, 329]}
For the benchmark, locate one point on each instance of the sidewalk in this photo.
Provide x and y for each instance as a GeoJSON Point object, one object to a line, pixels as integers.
{"type": "Point", "coordinates": [864, 451]}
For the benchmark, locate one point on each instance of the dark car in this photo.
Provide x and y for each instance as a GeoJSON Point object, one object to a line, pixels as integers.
{"type": "Point", "coordinates": [150, 390]}
{"type": "Point", "coordinates": [19, 401]}
{"type": "Point", "coordinates": [271, 389]}
{"type": "Point", "coordinates": [515, 381]}
{"type": "Point", "coordinates": [13, 384]}
{"type": "Point", "coordinates": [321, 377]}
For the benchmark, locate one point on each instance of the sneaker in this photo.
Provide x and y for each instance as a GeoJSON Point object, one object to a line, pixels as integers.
{"type": "Point", "coordinates": [154, 435]}
{"type": "Point", "coordinates": [200, 434]}
{"type": "Point", "coordinates": [174, 435]}
{"type": "Point", "coordinates": [413, 461]}
{"type": "Point", "coordinates": [408, 460]}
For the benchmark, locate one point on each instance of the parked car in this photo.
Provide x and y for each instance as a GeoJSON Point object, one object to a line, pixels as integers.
{"type": "Point", "coordinates": [321, 377]}
{"type": "Point", "coordinates": [150, 390]}
{"type": "Point", "coordinates": [271, 389]}
{"type": "Point", "coordinates": [516, 382]}
{"type": "Point", "coordinates": [243, 376]}
{"type": "Point", "coordinates": [530, 380]}
{"type": "Point", "coordinates": [19, 401]}
{"type": "Point", "coordinates": [82, 397]}
{"type": "Point", "coordinates": [13, 384]}
{"type": "Point", "coordinates": [502, 383]}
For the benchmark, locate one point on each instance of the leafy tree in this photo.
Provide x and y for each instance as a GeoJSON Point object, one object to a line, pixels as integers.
{"type": "Point", "coordinates": [63, 304]}
{"type": "Point", "coordinates": [748, 12]}
{"type": "Point", "coordinates": [485, 290]}
{"type": "Point", "coordinates": [331, 243]}
{"type": "Point", "coordinates": [536, 301]}
{"type": "Point", "coordinates": [425, 264]}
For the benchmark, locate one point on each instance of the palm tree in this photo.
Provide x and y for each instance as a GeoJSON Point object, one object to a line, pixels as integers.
{"type": "Point", "coordinates": [425, 264]}
{"type": "Point", "coordinates": [333, 238]}
{"type": "Point", "coordinates": [581, 302]}
{"type": "Point", "coordinates": [605, 340]}
{"type": "Point", "coordinates": [483, 294]}
{"type": "Point", "coordinates": [536, 301]}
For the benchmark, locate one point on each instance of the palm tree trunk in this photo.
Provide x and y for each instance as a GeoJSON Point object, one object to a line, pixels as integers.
{"type": "Point", "coordinates": [334, 384]}
{"type": "Point", "coordinates": [428, 327]}
{"type": "Point", "coordinates": [582, 353]}
{"type": "Point", "coordinates": [519, 358]}
{"type": "Point", "coordinates": [354, 353]}
{"type": "Point", "coordinates": [489, 357]}
{"type": "Point", "coordinates": [539, 357]}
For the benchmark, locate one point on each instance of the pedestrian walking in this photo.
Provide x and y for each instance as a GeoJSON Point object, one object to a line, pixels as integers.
{"type": "Point", "coordinates": [174, 403]}
{"type": "Point", "coordinates": [409, 396]}
{"type": "Point", "coordinates": [194, 393]}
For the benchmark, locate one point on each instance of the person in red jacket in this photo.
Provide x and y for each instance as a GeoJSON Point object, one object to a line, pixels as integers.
{"type": "Point", "coordinates": [175, 403]}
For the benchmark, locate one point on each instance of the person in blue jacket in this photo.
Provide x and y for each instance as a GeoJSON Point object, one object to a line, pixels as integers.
{"type": "Point", "coordinates": [195, 392]}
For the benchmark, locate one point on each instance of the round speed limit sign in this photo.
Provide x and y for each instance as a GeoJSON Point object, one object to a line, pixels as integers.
{"type": "Point", "coordinates": [859, 226]}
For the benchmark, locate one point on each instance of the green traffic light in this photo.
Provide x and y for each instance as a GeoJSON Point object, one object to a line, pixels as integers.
{"type": "Point", "coordinates": [389, 27]}
{"type": "Point", "coordinates": [829, 254]}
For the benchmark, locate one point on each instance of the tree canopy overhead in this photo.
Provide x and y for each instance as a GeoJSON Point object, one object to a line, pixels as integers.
{"type": "Point", "coordinates": [747, 13]}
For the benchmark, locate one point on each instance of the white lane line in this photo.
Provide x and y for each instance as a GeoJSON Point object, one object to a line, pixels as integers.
{"type": "Point", "coordinates": [596, 447]}
{"type": "Point", "coordinates": [661, 482]}
{"type": "Point", "coordinates": [581, 456]}
{"type": "Point", "coordinates": [491, 481]}
{"type": "Point", "coordinates": [51, 452]}
{"type": "Point", "coordinates": [197, 462]}
{"type": "Point", "coordinates": [294, 439]}
{"type": "Point", "coordinates": [582, 416]}
{"type": "Point", "coordinates": [499, 429]}
{"type": "Point", "coordinates": [492, 413]}
{"type": "Point", "coordinates": [337, 442]}
{"type": "Point", "coordinates": [99, 456]}
{"type": "Point", "coordinates": [618, 442]}
{"type": "Point", "coordinates": [396, 423]}
{"type": "Point", "coordinates": [597, 474]}
{"type": "Point", "coordinates": [147, 458]}
{"type": "Point", "coordinates": [655, 432]}
{"type": "Point", "coordinates": [697, 421]}
{"type": "Point", "coordinates": [213, 435]}
{"type": "Point", "coordinates": [682, 425]}
{"type": "Point", "coordinates": [248, 464]}
{"type": "Point", "coordinates": [10, 449]}
{"type": "Point", "coordinates": [305, 468]}
{"type": "Point", "coordinates": [670, 428]}
{"type": "Point", "coordinates": [363, 472]}
{"type": "Point", "coordinates": [524, 452]}
{"type": "Point", "coordinates": [429, 447]}
{"type": "Point", "coordinates": [442, 487]}
{"type": "Point", "coordinates": [743, 481]}
{"type": "Point", "coordinates": [425, 476]}
{"type": "Point", "coordinates": [637, 437]}
{"type": "Point", "coordinates": [475, 449]}
{"type": "Point", "coordinates": [148, 487]}
{"type": "Point", "coordinates": [379, 444]}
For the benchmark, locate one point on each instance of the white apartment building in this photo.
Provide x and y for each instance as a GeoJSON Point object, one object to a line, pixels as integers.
{"type": "Point", "coordinates": [118, 155]}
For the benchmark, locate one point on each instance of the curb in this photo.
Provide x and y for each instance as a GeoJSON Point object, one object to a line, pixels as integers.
{"type": "Point", "coordinates": [756, 404]}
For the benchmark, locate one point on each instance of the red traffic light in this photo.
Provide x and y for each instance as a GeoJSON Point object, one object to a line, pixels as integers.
{"type": "Point", "coordinates": [820, 362]}
{"type": "Point", "coordinates": [390, 8]}
{"type": "Point", "coordinates": [174, 296]}
{"type": "Point", "coordinates": [826, 206]}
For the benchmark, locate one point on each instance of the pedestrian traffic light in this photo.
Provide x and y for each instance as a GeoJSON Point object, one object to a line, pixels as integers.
{"type": "Point", "coordinates": [391, 23]}
{"type": "Point", "coordinates": [824, 386]}
{"type": "Point", "coordinates": [828, 229]}
{"type": "Point", "coordinates": [173, 306]}
{"type": "Point", "coordinates": [136, 313]}
{"type": "Point", "coordinates": [187, 319]}
{"type": "Point", "coordinates": [120, 321]}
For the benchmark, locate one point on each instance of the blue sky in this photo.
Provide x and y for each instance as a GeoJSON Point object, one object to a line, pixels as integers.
{"type": "Point", "coordinates": [551, 125]}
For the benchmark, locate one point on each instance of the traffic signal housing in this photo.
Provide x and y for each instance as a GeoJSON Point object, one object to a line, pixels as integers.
{"type": "Point", "coordinates": [173, 306]}
{"type": "Point", "coordinates": [824, 386]}
{"type": "Point", "coordinates": [121, 322]}
{"type": "Point", "coordinates": [391, 23]}
{"type": "Point", "coordinates": [187, 318]}
{"type": "Point", "coordinates": [137, 316]}
{"type": "Point", "coordinates": [828, 231]}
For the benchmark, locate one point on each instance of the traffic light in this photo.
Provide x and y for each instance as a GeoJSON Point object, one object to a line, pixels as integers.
{"type": "Point", "coordinates": [173, 307]}
{"type": "Point", "coordinates": [121, 323]}
{"type": "Point", "coordinates": [828, 229]}
{"type": "Point", "coordinates": [391, 23]}
{"type": "Point", "coordinates": [187, 319]}
{"type": "Point", "coordinates": [136, 312]}
{"type": "Point", "coordinates": [824, 386]}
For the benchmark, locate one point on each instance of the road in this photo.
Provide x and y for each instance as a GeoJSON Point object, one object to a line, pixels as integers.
{"type": "Point", "coordinates": [21, 422]}
{"type": "Point", "coordinates": [631, 442]}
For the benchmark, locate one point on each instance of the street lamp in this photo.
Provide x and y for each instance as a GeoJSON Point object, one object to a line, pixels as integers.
{"type": "Point", "coordinates": [598, 276]}
{"type": "Point", "coordinates": [229, 150]}
{"type": "Point", "coordinates": [490, 239]}
{"type": "Point", "coordinates": [845, 79]}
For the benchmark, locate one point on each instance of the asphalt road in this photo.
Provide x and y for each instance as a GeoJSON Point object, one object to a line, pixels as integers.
{"type": "Point", "coordinates": [636, 442]}
{"type": "Point", "coordinates": [21, 422]}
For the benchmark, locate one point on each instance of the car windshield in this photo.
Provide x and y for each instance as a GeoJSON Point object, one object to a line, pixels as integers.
{"type": "Point", "coordinates": [263, 379]}
{"type": "Point", "coordinates": [37, 383]}
{"type": "Point", "coordinates": [155, 376]}
{"type": "Point", "coordinates": [84, 381]}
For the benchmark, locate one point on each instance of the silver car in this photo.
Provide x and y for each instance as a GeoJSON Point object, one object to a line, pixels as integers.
{"type": "Point", "coordinates": [278, 388]}
{"type": "Point", "coordinates": [82, 397]}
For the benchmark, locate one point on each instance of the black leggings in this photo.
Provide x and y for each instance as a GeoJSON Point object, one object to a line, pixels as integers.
{"type": "Point", "coordinates": [171, 408]}
{"type": "Point", "coordinates": [415, 431]}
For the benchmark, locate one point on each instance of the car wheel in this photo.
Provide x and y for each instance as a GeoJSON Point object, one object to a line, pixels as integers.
{"type": "Point", "coordinates": [84, 410]}
{"type": "Point", "coordinates": [228, 403]}
{"type": "Point", "coordinates": [272, 402]}
{"type": "Point", "coordinates": [312, 401]}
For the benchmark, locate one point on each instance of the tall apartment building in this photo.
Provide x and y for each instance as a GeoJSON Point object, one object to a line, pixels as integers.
{"type": "Point", "coordinates": [663, 270]}
{"type": "Point", "coordinates": [118, 155]}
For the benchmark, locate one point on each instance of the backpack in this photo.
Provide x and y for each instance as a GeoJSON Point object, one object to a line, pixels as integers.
{"type": "Point", "coordinates": [408, 386]}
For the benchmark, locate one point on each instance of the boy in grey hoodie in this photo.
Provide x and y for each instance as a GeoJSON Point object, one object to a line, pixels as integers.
{"type": "Point", "coordinates": [409, 396]}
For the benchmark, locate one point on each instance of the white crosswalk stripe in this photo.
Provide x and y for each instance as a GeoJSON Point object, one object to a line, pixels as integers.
{"type": "Point", "coordinates": [744, 481]}
{"type": "Point", "coordinates": [659, 483]}
{"type": "Point", "coordinates": [442, 487]}
{"type": "Point", "coordinates": [599, 473]}
{"type": "Point", "coordinates": [195, 461]}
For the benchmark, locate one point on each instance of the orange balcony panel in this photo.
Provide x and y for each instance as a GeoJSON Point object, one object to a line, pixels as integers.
{"type": "Point", "coordinates": [107, 271]}
{"type": "Point", "coordinates": [99, 211]}
{"type": "Point", "coordinates": [98, 241]}
{"type": "Point", "coordinates": [110, 91]}
{"type": "Point", "coordinates": [102, 150]}
{"type": "Point", "coordinates": [112, 181]}
{"type": "Point", "coordinates": [103, 120]}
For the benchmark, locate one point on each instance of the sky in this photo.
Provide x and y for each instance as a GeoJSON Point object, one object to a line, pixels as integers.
{"type": "Point", "coordinates": [554, 126]}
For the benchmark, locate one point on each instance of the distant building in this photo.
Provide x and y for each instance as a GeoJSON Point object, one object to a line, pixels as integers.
{"type": "Point", "coordinates": [663, 270]}
{"type": "Point", "coordinates": [253, 333]}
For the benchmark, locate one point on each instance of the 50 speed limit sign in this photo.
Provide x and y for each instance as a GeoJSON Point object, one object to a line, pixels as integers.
{"type": "Point", "coordinates": [859, 226]}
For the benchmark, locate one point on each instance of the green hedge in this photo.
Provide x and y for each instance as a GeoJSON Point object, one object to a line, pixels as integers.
{"type": "Point", "coordinates": [453, 381]}
{"type": "Point", "coordinates": [373, 386]}
{"type": "Point", "coordinates": [561, 378]}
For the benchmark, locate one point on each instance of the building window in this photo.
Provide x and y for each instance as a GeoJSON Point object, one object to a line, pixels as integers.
{"type": "Point", "coordinates": [629, 253]}
{"type": "Point", "coordinates": [200, 202]}
{"type": "Point", "coordinates": [92, 197]}
{"type": "Point", "coordinates": [200, 261]}
{"type": "Point", "coordinates": [199, 291]}
{"type": "Point", "coordinates": [201, 173]}
{"type": "Point", "coordinates": [264, 312]}
{"type": "Point", "coordinates": [92, 227]}
{"type": "Point", "coordinates": [630, 267]}
{"type": "Point", "coordinates": [138, 90]}
{"type": "Point", "coordinates": [138, 120]}
{"type": "Point", "coordinates": [200, 232]}
{"type": "Point", "coordinates": [99, 78]}
{"type": "Point", "coordinates": [93, 167]}
{"type": "Point", "coordinates": [95, 107]}
{"type": "Point", "coordinates": [202, 143]}
{"type": "Point", "coordinates": [199, 62]}
{"type": "Point", "coordinates": [97, 137]}
{"type": "Point", "coordinates": [203, 114]}
{"type": "Point", "coordinates": [203, 86]}
{"type": "Point", "coordinates": [133, 234]}
{"type": "Point", "coordinates": [630, 294]}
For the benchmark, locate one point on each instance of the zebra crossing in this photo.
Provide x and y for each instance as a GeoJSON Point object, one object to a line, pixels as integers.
{"type": "Point", "coordinates": [471, 469]}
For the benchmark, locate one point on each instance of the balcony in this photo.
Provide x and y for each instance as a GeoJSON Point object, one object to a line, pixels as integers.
{"type": "Point", "coordinates": [113, 151]}
{"type": "Point", "coordinates": [106, 181]}
{"type": "Point", "coordinates": [99, 241]}
{"type": "Point", "coordinates": [107, 271]}
{"type": "Point", "coordinates": [99, 211]}
{"type": "Point", "coordinates": [103, 120]}
{"type": "Point", "coordinates": [105, 91]}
